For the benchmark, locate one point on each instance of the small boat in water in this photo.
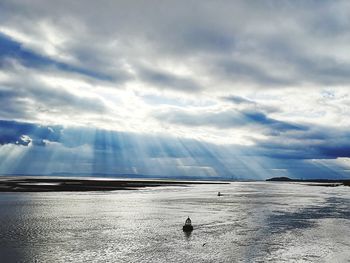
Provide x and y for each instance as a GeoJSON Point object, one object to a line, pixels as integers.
{"type": "Point", "coordinates": [188, 225]}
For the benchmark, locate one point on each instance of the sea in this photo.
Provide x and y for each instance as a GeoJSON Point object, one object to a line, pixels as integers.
{"type": "Point", "coordinates": [249, 222]}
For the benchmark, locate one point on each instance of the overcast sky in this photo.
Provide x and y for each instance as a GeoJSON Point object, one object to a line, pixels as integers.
{"type": "Point", "coordinates": [239, 89]}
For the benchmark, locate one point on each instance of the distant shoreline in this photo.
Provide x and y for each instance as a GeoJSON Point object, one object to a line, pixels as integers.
{"type": "Point", "coordinates": [68, 184]}
{"type": "Point", "coordinates": [313, 182]}
{"type": "Point", "coordinates": [42, 183]}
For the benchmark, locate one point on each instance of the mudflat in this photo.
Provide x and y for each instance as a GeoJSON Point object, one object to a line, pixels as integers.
{"type": "Point", "coordinates": [61, 184]}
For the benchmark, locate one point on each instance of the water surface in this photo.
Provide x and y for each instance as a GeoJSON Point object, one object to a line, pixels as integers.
{"type": "Point", "coordinates": [251, 222]}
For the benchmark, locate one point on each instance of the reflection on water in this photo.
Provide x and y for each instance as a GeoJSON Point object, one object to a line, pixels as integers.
{"type": "Point", "coordinates": [250, 222]}
{"type": "Point", "coordinates": [188, 235]}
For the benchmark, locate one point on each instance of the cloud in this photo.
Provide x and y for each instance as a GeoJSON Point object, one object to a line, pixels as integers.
{"type": "Point", "coordinates": [50, 149]}
{"type": "Point", "coordinates": [239, 100]}
{"type": "Point", "coordinates": [316, 142]}
{"type": "Point", "coordinates": [225, 119]}
{"type": "Point", "coordinates": [26, 133]}
{"type": "Point", "coordinates": [259, 78]}
{"type": "Point", "coordinates": [12, 107]}
{"type": "Point", "coordinates": [222, 40]}
{"type": "Point", "coordinates": [12, 50]}
{"type": "Point", "coordinates": [223, 46]}
{"type": "Point", "coordinates": [164, 80]}
{"type": "Point", "coordinates": [25, 96]}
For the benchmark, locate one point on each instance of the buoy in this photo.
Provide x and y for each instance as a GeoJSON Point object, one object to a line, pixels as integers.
{"type": "Point", "coordinates": [188, 225]}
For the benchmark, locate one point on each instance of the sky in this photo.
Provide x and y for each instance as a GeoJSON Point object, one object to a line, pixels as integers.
{"type": "Point", "coordinates": [180, 89]}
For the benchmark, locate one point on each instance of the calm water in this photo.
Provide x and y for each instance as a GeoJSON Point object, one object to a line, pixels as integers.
{"type": "Point", "coordinates": [252, 222]}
